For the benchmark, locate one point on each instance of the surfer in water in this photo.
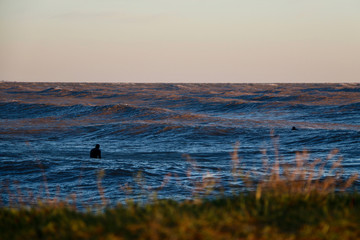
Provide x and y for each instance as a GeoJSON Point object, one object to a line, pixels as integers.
{"type": "Point", "coordinates": [95, 152]}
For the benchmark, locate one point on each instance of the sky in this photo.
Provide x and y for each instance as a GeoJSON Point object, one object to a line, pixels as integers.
{"type": "Point", "coordinates": [236, 41]}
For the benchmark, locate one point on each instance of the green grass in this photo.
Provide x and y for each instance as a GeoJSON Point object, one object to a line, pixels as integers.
{"type": "Point", "coordinates": [314, 216]}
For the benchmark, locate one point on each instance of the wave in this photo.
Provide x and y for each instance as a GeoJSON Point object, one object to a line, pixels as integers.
{"type": "Point", "coordinates": [16, 110]}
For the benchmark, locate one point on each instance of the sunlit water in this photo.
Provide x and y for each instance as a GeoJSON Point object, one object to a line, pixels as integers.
{"type": "Point", "coordinates": [48, 129]}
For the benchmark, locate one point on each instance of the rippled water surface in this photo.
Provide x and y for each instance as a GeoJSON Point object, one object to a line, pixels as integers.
{"type": "Point", "coordinates": [48, 129]}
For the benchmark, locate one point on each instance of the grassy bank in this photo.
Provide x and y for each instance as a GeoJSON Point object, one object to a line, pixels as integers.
{"type": "Point", "coordinates": [296, 216]}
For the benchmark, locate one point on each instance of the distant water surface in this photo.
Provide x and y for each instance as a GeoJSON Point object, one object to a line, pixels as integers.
{"type": "Point", "coordinates": [48, 129]}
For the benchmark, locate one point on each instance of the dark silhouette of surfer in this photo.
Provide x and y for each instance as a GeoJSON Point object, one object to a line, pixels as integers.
{"type": "Point", "coordinates": [294, 128]}
{"type": "Point", "coordinates": [95, 152]}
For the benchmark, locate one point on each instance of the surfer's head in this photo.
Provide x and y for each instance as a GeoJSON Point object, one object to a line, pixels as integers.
{"type": "Point", "coordinates": [97, 146]}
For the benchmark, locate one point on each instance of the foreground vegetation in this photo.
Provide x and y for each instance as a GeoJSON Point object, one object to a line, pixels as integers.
{"type": "Point", "coordinates": [316, 216]}
{"type": "Point", "coordinates": [289, 201]}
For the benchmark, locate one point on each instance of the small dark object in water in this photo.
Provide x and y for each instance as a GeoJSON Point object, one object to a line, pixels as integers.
{"type": "Point", "coordinates": [294, 128]}
{"type": "Point", "coordinates": [95, 152]}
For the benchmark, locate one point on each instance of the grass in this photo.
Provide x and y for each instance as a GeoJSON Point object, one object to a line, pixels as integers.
{"type": "Point", "coordinates": [288, 201]}
{"type": "Point", "coordinates": [333, 216]}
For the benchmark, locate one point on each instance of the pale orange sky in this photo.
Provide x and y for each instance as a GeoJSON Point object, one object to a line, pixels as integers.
{"type": "Point", "coordinates": [180, 41]}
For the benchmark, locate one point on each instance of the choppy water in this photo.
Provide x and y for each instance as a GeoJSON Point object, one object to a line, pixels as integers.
{"type": "Point", "coordinates": [48, 129]}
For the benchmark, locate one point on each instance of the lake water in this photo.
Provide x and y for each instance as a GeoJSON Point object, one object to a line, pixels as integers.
{"type": "Point", "coordinates": [177, 133]}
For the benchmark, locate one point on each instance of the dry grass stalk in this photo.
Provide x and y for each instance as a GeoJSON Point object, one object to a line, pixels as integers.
{"type": "Point", "coordinates": [100, 175]}
{"type": "Point", "coordinates": [303, 177]}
